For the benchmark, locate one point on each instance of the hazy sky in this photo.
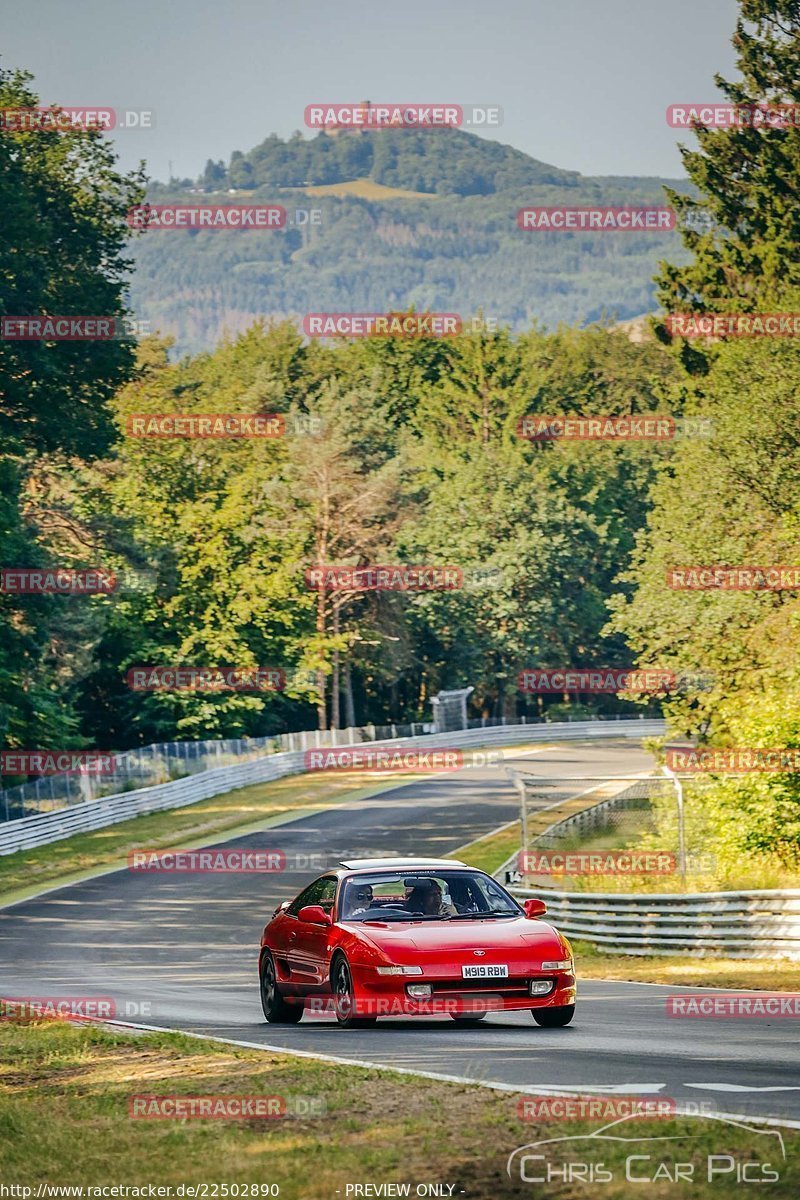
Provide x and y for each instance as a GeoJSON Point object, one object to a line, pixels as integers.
{"type": "Point", "coordinates": [583, 84]}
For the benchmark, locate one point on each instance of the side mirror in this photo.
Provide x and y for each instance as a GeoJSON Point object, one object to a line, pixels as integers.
{"type": "Point", "coordinates": [534, 908]}
{"type": "Point", "coordinates": [315, 915]}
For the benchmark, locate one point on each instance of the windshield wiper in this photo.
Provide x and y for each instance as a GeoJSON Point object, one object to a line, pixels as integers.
{"type": "Point", "coordinates": [481, 916]}
{"type": "Point", "coordinates": [396, 917]}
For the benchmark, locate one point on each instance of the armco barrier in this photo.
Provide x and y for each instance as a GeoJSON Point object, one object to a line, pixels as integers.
{"type": "Point", "coordinates": [763, 924]}
{"type": "Point", "coordinates": [38, 830]}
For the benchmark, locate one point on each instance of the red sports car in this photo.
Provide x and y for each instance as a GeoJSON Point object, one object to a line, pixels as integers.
{"type": "Point", "coordinates": [400, 937]}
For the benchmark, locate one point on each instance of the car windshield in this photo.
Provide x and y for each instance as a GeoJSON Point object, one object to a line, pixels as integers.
{"type": "Point", "coordinates": [433, 895]}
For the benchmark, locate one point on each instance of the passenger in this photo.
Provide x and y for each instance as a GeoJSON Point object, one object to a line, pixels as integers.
{"type": "Point", "coordinates": [429, 901]}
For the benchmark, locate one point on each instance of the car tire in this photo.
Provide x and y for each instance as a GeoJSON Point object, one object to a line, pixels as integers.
{"type": "Point", "coordinates": [468, 1018]}
{"type": "Point", "coordinates": [554, 1018]}
{"type": "Point", "coordinates": [344, 996]}
{"type": "Point", "coordinates": [276, 1009]}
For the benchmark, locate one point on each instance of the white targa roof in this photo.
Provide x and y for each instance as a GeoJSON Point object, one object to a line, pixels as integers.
{"type": "Point", "coordinates": [358, 864]}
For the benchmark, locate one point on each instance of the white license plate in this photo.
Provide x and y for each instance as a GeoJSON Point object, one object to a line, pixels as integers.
{"type": "Point", "coordinates": [485, 971]}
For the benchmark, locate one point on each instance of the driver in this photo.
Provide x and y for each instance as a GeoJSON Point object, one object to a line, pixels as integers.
{"type": "Point", "coordinates": [359, 900]}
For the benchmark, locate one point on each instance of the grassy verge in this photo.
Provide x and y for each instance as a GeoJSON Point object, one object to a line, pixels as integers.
{"type": "Point", "coordinates": [755, 875]}
{"type": "Point", "coordinates": [490, 852]}
{"type": "Point", "coordinates": [64, 1119]}
{"type": "Point", "coordinates": [765, 974]}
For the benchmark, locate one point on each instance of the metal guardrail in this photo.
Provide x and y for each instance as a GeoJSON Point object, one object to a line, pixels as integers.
{"type": "Point", "coordinates": [165, 762]}
{"type": "Point", "coordinates": [751, 924]}
{"type": "Point", "coordinates": [757, 924]}
{"type": "Point", "coordinates": [42, 828]}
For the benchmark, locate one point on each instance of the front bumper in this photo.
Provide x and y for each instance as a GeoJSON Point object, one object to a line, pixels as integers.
{"type": "Point", "coordinates": [388, 996]}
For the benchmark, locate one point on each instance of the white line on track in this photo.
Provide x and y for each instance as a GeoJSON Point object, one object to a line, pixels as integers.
{"type": "Point", "coordinates": [516, 1089]}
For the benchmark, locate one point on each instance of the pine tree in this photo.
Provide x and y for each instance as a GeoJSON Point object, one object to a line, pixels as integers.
{"type": "Point", "coordinates": [744, 227]}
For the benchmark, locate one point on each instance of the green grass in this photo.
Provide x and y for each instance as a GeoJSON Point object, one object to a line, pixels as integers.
{"type": "Point", "coordinates": [763, 974]}
{"type": "Point", "coordinates": [64, 1119]}
{"type": "Point", "coordinates": [366, 189]}
{"type": "Point", "coordinates": [490, 852]}
{"type": "Point", "coordinates": [749, 875]}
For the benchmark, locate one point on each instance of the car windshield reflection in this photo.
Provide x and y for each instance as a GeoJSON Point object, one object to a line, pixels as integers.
{"type": "Point", "coordinates": [439, 895]}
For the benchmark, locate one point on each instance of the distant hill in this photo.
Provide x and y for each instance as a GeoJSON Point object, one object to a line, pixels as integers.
{"type": "Point", "coordinates": [453, 245]}
{"type": "Point", "coordinates": [436, 161]}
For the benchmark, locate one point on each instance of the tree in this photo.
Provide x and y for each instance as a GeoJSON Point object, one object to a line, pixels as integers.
{"type": "Point", "coordinates": [214, 176]}
{"type": "Point", "coordinates": [748, 178]}
{"type": "Point", "coordinates": [341, 491]}
{"type": "Point", "coordinates": [62, 252]}
{"type": "Point", "coordinates": [729, 499]}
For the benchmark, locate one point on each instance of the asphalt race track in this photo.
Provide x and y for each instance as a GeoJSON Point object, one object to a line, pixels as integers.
{"type": "Point", "coordinates": [180, 951]}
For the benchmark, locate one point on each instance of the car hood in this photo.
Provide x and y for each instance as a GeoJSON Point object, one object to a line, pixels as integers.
{"type": "Point", "coordinates": [437, 936]}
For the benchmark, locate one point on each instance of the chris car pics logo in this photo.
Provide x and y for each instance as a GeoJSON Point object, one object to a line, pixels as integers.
{"type": "Point", "coordinates": [620, 1153]}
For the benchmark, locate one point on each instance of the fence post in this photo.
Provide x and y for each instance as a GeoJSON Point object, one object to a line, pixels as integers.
{"type": "Point", "coordinates": [681, 823]}
{"type": "Point", "coordinates": [523, 806]}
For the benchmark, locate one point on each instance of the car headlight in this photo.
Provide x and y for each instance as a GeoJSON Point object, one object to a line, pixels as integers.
{"type": "Point", "coordinates": [564, 964]}
{"type": "Point", "coordinates": [399, 970]}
